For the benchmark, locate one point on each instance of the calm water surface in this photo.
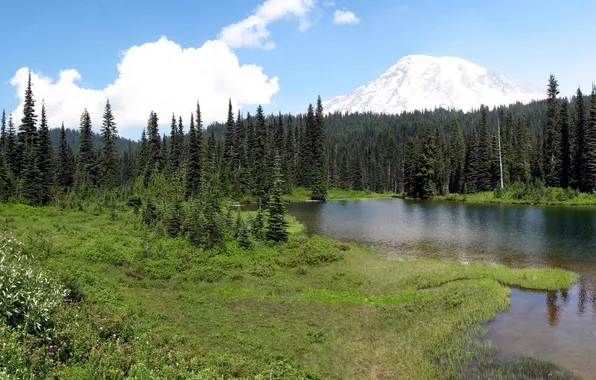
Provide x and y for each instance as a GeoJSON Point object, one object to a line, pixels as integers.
{"type": "Point", "coordinates": [558, 326]}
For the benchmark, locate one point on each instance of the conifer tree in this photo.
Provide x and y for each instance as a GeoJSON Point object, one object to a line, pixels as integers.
{"type": "Point", "coordinates": [564, 159]}
{"type": "Point", "coordinates": [319, 175]}
{"type": "Point", "coordinates": [5, 183]}
{"type": "Point", "coordinates": [277, 227]}
{"type": "Point", "coordinates": [257, 225]}
{"type": "Point", "coordinates": [65, 165]}
{"type": "Point", "coordinates": [3, 132]}
{"type": "Point", "coordinates": [579, 166]}
{"type": "Point", "coordinates": [85, 160]}
{"type": "Point", "coordinates": [143, 154]}
{"type": "Point", "coordinates": [242, 234]}
{"type": "Point", "coordinates": [27, 137]}
{"type": "Point", "coordinates": [45, 159]}
{"type": "Point", "coordinates": [11, 148]}
{"type": "Point", "coordinates": [457, 155]}
{"type": "Point", "coordinates": [175, 153]}
{"type": "Point", "coordinates": [174, 218]}
{"type": "Point", "coordinates": [471, 169]}
{"type": "Point", "coordinates": [109, 154]}
{"type": "Point", "coordinates": [521, 163]}
{"type": "Point", "coordinates": [194, 158]}
{"type": "Point", "coordinates": [154, 151]}
{"type": "Point", "coordinates": [483, 154]}
{"type": "Point", "coordinates": [552, 141]}
{"type": "Point", "coordinates": [260, 156]}
{"type": "Point", "coordinates": [291, 156]}
{"type": "Point", "coordinates": [30, 174]}
{"type": "Point", "coordinates": [426, 177]}
{"type": "Point", "coordinates": [589, 178]}
{"type": "Point", "coordinates": [229, 155]}
{"type": "Point", "coordinates": [181, 144]}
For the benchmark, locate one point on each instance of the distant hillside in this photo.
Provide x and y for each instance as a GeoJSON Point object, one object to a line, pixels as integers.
{"type": "Point", "coordinates": [72, 136]}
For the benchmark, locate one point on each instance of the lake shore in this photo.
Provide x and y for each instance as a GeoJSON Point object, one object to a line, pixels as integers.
{"type": "Point", "coordinates": [311, 308]}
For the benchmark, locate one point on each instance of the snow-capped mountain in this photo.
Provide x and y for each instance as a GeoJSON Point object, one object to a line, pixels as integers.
{"type": "Point", "coordinates": [419, 82]}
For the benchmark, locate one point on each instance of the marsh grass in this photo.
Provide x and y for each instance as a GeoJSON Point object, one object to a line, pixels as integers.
{"type": "Point", "coordinates": [309, 308]}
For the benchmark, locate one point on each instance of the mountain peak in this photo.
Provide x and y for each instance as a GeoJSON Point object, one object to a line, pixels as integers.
{"type": "Point", "coordinates": [419, 82]}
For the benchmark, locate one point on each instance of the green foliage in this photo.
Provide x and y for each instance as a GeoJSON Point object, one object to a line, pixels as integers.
{"type": "Point", "coordinates": [29, 297]}
{"type": "Point", "coordinates": [277, 226]}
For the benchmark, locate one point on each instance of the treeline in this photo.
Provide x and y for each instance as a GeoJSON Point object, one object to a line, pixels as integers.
{"type": "Point", "coordinates": [547, 143]}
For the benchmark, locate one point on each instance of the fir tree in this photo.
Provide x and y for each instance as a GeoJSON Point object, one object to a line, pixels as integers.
{"type": "Point", "coordinates": [85, 160]}
{"type": "Point", "coordinates": [471, 168]}
{"type": "Point", "coordinates": [45, 159]}
{"type": "Point", "coordinates": [426, 177]}
{"type": "Point", "coordinates": [174, 219]}
{"type": "Point", "coordinates": [65, 165]}
{"type": "Point", "coordinates": [579, 166]}
{"type": "Point", "coordinates": [483, 154]}
{"type": "Point", "coordinates": [260, 156]}
{"type": "Point", "coordinates": [3, 132]}
{"type": "Point", "coordinates": [319, 175]}
{"type": "Point", "coordinates": [143, 154]}
{"type": "Point", "coordinates": [154, 151]}
{"type": "Point", "coordinates": [552, 142]}
{"type": "Point", "coordinates": [457, 156]}
{"type": "Point", "coordinates": [564, 159]}
{"type": "Point", "coordinates": [27, 137]}
{"type": "Point", "coordinates": [521, 163]}
{"type": "Point", "coordinates": [5, 183]}
{"type": "Point", "coordinates": [109, 154]}
{"type": "Point", "coordinates": [589, 178]}
{"type": "Point", "coordinates": [277, 227]}
{"type": "Point", "coordinates": [31, 186]}
{"type": "Point", "coordinates": [11, 148]}
{"type": "Point", "coordinates": [194, 158]}
{"type": "Point", "coordinates": [229, 156]}
{"type": "Point", "coordinates": [258, 225]}
{"type": "Point", "coordinates": [242, 236]}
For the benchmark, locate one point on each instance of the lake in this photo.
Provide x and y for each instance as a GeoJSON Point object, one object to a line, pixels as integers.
{"type": "Point", "coordinates": [558, 326]}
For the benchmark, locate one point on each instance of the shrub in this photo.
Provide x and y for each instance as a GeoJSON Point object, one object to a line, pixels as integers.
{"type": "Point", "coordinates": [28, 297]}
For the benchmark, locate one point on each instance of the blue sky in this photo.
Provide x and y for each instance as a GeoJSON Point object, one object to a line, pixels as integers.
{"type": "Point", "coordinates": [527, 40]}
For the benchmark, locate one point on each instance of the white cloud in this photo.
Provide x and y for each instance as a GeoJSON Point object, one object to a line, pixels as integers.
{"type": "Point", "coordinates": [159, 76]}
{"type": "Point", "coordinates": [345, 17]}
{"type": "Point", "coordinates": [252, 32]}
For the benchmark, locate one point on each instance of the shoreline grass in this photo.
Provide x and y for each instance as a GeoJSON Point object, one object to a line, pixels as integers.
{"type": "Point", "coordinates": [311, 308]}
{"type": "Point", "coordinates": [303, 195]}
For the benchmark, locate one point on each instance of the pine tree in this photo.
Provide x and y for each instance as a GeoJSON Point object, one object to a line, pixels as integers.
{"type": "Point", "coordinates": [319, 175]}
{"type": "Point", "coordinates": [483, 154]}
{"type": "Point", "coordinates": [109, 154]}
{"type": "Point", "coordinates": [180, 144]}
{"type": "Point", "coordinates": [258, 225]}
{"type": "Point", "coordinates": [260, 156]}
{"type": "Point", "coordinates": [27, 137]}
{"type": "Point", "coordinates": [45, 159]}
{"type": "Point", "coordinates": [589, 178]}
{"type": "Point", "coordinates": [521, 168]}
{"type": "Point", "coordinates": [277, 227]}
{"type": "Point", "coordinates": [143, 154]}
{"type": "Point", "coordinates": [85, 160]}
{"type": "Point", "coordinates": [194, 158]}
{"type": "Point", "coordinates": [174, 218]}
{"type": "Point", "coordinates": [553, 135]}
{"type": "Point", "coordinates": [457, 155]}
{"type": "Point", "coordinates": [471, 168]}
{"type": "Point", "coordinates": [426, 177]}
{"type": "Point", "coordinates": [579, 143]}
{"type": "Point", "coordinates": [564, 159]}
{"type": "Point", "coordinates": [11, 148]}
{"type": "Point", "coordinates": [65, 164]}
{"type": "Point", "coordinates": [411, 166]}
{"type": "Point", "coordinates": [31, 186]}
{"type": "Point", "coordinates": [154, 151]}
{"type": "Point", "coordinates": [229, 156]}
{"type": "Point", "coordinates": [3, 132]}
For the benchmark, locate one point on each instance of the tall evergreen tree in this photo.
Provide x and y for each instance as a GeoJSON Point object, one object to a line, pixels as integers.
{"type": "Point", "coordinates": [65, 165]}
{"type": "Point", "coordinates": [471, 168]}
{"type": "Point", "coordinates": [45, 159]}
{"type": "Point", "coordinates": [230, 149]}
{"type": "Point", "coordinates": [194, 158]}
{"type": "Point", "coordinates": [11, 148]}
{"type": "Point", "coordinates": [154, 151]}
{"type": "Point", "coordinates": [109, 154]}
{"type": "Point", "coordinates": [277, 228]}
{"type": "Point", "coordinates": [564, 159]}
{"type": "Point", "coordinates": [579, 166]}
{"type": "Point", "coordinates": [589, 178]}
{"type": "Point", "coordinates": [483, 153]}
{"type": "Point", "coordinates": [457, 156]}
{"type": "Point", "coordinates": [319, 175]}
{"type": "Point", "coordinates": [143, 154]}
{"type": "Point", "coordinates": [260, 156]}
{"type": "Point", "coordinates": [426, 177]}
{"type": "Point", "coordinates": [552, 141]}
{"type": "Point", "coordinates": [85, 160]}
{"type": "Point", "coordinates": [3, 132]}
{"type": "Point", "coordinates": [521, 168]}
{"type": "Point", "coordinates": [27, 137]}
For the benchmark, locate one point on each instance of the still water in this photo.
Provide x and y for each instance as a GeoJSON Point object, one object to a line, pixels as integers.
{"type": "Point", "coordinates": [558, 326]}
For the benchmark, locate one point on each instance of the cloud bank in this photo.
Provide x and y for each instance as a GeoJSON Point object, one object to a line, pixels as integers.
{"type": "Point", "coordinates": [252, 32]}
{"type": "Point", "coordinates": [345, 17]}
{"type": "Point", "coordinates": [160, 76]}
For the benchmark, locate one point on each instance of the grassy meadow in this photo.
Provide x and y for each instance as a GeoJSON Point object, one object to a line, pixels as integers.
{"type": "Point", "coordinates": [142, 305]}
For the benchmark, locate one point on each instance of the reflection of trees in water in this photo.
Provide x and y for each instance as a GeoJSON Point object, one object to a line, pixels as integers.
{"type": "Point", "coordinates": [582, 296]}
{"type": "Point", "coordinates": [552, 308]}
{"type": "Point", "coordinates": [565, 296]}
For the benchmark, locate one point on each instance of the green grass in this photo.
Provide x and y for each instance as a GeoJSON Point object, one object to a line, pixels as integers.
{"type": "Point", "coordinates": [301, 194]}
{"type": "Point", "coordinates": [310, 306]}
{"type": "Point", "coordinates": [528, 195]}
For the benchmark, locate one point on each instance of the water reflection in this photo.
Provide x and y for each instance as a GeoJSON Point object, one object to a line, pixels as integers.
{"type": "Point", "coordinates": [557, 325]}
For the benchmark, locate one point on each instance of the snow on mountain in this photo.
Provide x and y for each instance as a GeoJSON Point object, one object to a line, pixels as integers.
{"type": "Point", "coordinates": [419, 82]}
